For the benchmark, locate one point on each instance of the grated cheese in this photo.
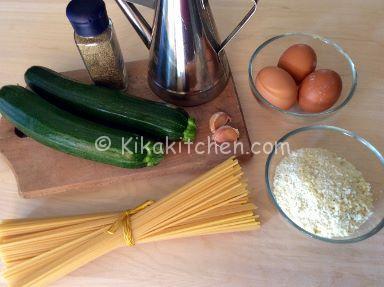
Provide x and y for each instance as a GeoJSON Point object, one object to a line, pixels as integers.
{"type": "Point", "coordinates": [322, 192]}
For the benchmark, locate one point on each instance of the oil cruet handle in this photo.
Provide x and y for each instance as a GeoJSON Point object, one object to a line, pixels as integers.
{"type": "Point", "coordinates": [141, 26]}
{"type": "Point", "coordinates": [239, 26]}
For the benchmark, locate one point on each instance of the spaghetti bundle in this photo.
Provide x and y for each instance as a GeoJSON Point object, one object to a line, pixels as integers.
{"type": "Point", "coordinates": [37, 252]}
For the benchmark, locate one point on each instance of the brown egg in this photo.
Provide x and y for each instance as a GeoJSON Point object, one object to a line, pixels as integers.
{"type": "Point", "coordinates": [277, 87]}
{"type": "Point", "coordinates": [298, 60]}
{"type": "Point", "coordinates": [320, 90]}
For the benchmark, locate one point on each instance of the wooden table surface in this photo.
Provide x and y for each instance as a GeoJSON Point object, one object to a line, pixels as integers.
{"type": "Point", "coordinates": [37, 32]}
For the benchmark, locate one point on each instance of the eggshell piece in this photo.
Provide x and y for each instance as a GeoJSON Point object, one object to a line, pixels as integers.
{"type": "Point", "coordinates": [277, 87]}
{"type": "Point", "coordinates": [299, 61]}
{"type": "Point", "coordinates": [320, 90]}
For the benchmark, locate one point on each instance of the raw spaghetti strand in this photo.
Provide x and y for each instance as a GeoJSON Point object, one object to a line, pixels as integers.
{"type": "Point", "coordinates": [37, 252]}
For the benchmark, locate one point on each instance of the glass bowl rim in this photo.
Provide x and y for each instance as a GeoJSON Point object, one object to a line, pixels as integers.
{"type": "Point", "coordinates": [316, 37]}
{"type": "Point", "coordinates": [344, 132]}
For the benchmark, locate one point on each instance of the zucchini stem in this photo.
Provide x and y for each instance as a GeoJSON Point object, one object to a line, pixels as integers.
{"type": "Point", "coordinates": [190, 132]}
{"type": "Point", "coordinates": [155, 154]}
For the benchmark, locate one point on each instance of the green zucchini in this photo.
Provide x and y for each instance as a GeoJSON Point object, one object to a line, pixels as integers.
{"type": "Point", "coordinates": [74, 135]}
{"type": "Point", "coordinates": [111, 107]}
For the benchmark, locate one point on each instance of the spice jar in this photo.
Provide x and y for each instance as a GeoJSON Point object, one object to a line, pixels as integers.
{"type": "Point", "coordinates": [96, 40]}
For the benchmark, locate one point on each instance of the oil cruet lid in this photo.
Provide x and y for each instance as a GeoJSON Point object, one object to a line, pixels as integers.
{"type": "Point", "coordinates": [88, 17]}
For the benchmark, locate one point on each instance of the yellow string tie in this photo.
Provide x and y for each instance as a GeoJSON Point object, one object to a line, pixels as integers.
{"type": "Point", "coordinates": [124, 221]}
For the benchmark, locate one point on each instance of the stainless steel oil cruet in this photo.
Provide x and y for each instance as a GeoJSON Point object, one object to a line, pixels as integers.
{"type": "Point", "coordinates": [187, 64]}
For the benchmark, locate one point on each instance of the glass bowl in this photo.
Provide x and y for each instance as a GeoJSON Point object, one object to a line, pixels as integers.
{"type": "Point", "coordinates": [329, 56]}
{"type": "Point", "coordinates": [358, 151]}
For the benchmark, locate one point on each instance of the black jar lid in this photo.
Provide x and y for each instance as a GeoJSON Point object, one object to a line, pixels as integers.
{"type": "Point", "coordinates": [88, 17]}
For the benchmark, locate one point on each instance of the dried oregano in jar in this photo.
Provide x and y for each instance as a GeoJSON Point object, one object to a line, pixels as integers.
{"type": "Point", "coordinates": [96, 40]}
{"type": "Point", "coordinates": [102, 57]}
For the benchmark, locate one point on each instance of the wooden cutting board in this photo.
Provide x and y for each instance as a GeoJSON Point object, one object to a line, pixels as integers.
{"type": "Point", "coordinates": [42, 171]}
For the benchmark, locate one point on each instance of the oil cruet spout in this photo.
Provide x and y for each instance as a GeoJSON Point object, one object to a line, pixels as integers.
{"type": "Point", "coordinates": [137, 20]}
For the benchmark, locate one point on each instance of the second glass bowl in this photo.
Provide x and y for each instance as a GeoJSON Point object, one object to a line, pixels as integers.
{"type": "Point", "coordinates": [329, 56]}
{"type": "Point", "coordinates": [358, 151]}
